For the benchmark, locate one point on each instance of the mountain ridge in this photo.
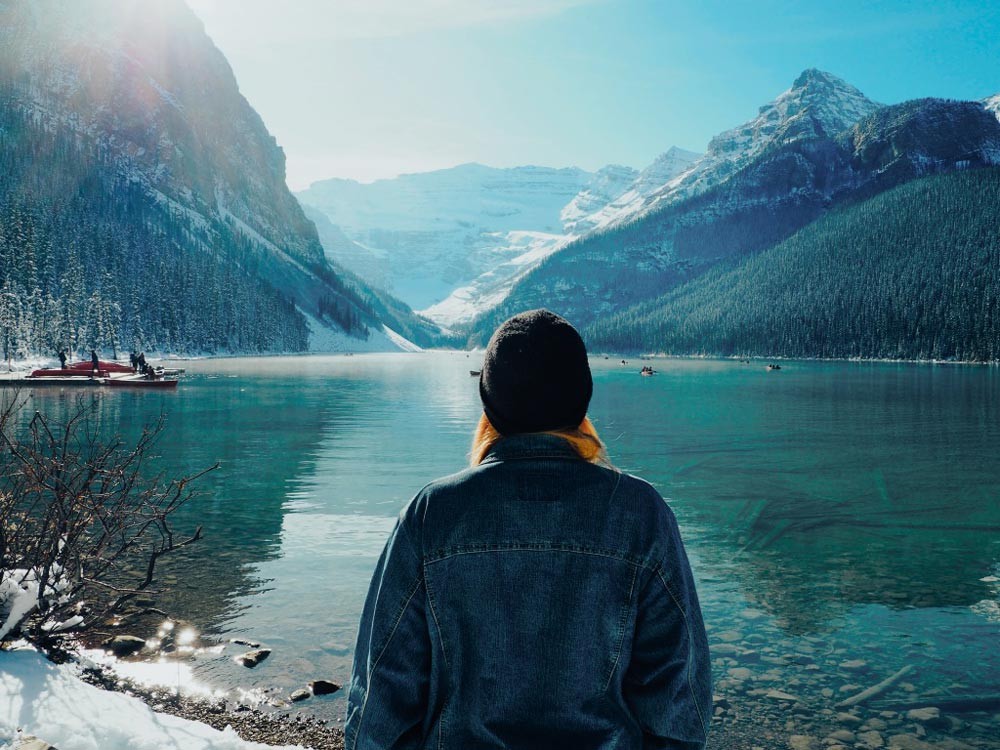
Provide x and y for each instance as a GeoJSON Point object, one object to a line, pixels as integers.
{"type": "Point", "coordinates": [792, 180]}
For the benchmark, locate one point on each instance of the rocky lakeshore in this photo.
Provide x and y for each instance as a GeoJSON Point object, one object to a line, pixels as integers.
{"type": "Point", "coordinates": [775, 689]}
{"type": "Point", "coordinates": [250, 723]}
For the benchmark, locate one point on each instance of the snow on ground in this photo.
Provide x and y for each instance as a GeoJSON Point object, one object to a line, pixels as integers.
{"type": "Point", "coordinates": [323, 338]}
{"type": "Point", "coordinates": [48, 701]}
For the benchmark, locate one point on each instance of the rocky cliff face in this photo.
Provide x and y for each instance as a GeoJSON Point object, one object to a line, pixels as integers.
{"type": "Point", "coordinates": [151, 105]}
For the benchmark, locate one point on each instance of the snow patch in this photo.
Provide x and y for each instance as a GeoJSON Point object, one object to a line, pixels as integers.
{"type": "Point", "coordinates": [324, 338]}
{"type": "Point", "coordinates": [49, 701]}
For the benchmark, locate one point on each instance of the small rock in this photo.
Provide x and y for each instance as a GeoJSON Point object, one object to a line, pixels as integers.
{"type": "Point", "coordinates": [124, 645]}
{"type": "Point", "coordinates": [853, 664]}
{"type": "Point", "coordinates": [724, 649]}
{"type": "Point", "coordinates": [323, 687]}
{"type": "Point", "coordinates": [252, 658]}
{"type": "Point", "coordinates": [931, 717]}
{"type": "Point", "coordinates": [729, 636]}
{"type": "Point", "coordinates": [826, 693]}
{"type": "Point", "coordinates": [740, 673]}
{"type": "Point", "coordinates": [877, 724]}
{"type": "Point", "coordinates": [299, 695]}
{"type": "Point", "coordinates": [908, 742]}
{"type": "Point", "coordinates": [802, 742]}
{"type": "Point", "coordinates": [871, 739]}
{"type": "Point", "coordinates": [842, 735]}
{"type": "Point", "coordinates": [780, 695]}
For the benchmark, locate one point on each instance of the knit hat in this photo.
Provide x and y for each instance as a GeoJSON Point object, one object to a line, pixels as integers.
{"type": "Point", "coordinates": [535, 376]}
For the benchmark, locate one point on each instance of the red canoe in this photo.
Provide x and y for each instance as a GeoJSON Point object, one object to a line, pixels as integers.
{"type": "Point", "coordinates": [105, 366]}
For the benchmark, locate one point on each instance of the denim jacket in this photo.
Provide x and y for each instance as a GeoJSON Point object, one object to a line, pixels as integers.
{"type": "Point", "coordinates": [535, 601]}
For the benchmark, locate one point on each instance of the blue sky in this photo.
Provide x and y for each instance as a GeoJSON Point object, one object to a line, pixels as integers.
{"type": "Point", "coordinates": [374, 88]}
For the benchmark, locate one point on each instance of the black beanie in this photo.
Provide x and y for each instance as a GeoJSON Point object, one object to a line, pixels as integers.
{"type": "Point", "coordinates": [535, 376]}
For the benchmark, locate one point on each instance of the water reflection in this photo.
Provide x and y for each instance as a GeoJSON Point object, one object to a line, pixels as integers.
{"type": "Point", "coordinates": [824, 486]}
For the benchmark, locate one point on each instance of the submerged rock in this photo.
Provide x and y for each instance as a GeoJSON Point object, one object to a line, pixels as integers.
{"type": "Point", "coordinates": [802, 742]}
{"type": "Point", "coordinates": [299, 695]}
{"type": "Point", "coordinates": [244, 642]}
{"type": "Point", "coordinates": [252, 658]}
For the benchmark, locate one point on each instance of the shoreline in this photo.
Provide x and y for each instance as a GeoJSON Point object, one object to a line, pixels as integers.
{"type": "Point", "coordinates": [250, 723]}
{"type": "Point", "coordinates": [22, 365]}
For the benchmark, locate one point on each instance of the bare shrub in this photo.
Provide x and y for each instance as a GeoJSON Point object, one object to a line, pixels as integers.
{"type": "Point", "coordinates": [82, 526]}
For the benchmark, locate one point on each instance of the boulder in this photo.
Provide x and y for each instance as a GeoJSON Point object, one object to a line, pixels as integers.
{"type": "Point", "coordinates": [124, 645]}
{"type": "Point", "coordinates": [323, 687]}
{"type": "Point", "coordinates": [252, 658]}
{"type": "Point", "coordinates": [299, 695]}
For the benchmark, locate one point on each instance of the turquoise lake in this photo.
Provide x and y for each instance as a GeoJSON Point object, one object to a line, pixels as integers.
{"type": "Point", "coordinates": [842, 519]}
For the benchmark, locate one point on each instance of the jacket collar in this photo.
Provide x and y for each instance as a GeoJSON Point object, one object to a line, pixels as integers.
{"type": "Point", "coordinates": [529, 445]}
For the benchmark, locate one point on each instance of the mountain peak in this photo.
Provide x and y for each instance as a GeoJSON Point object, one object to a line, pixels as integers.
{"type": "Point", "coordinates": [812, 76]}
{"type": "Point", "coordinates": [992, 104]}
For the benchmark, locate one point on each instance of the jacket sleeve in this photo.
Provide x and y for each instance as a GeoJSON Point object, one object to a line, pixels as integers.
{"type": "Point", "coordinates": [668, 683]}
{"type": "Point", "coordinates": [387, 700]}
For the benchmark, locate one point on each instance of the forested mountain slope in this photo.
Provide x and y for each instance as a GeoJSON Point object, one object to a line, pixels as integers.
{"type": "Point", "coordinates": [913, 273]}
{"type": "Point", "coordinates": [142, 200]}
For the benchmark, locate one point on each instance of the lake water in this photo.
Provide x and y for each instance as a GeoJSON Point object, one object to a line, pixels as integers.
{"type": "Point", "coordinates": [843, 519]}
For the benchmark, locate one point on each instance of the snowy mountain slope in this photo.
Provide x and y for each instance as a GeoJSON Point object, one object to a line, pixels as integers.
{"type": "Point", "coordinates": [423, 235]}
{"type": "Point", "coordinates": [803, 172]}
{"type": "Point", "coordinates": [818, 104]}
{"type": "Point", "coordinates": [454, 241]}
{"type": "Point", "coordinates": [992, 103]}
{"type": "Point", "coordinates": [141, 111]}
{"type": "Point", "coordinates": [632, 198]}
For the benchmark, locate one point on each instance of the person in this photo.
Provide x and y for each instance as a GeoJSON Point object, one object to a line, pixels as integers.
{"type": "Point", "coordinates": [95, 363]}
{"type": "Point", "coordinates": [62, 359]}
{"type": "Point", "coordinates": [133, 360]}
{"type": "Point", "coordinates": [540, 598]}
{"type": "Point", "coordinates": [141, 361]}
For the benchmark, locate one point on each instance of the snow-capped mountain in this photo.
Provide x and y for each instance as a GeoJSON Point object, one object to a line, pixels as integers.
{"type": "Point", "coordinates": [453, 242]}
{"type": "Point", "coordinates": [757, 185]}
{"type": "Point", "coordinates": [426, 236]}
{"type": "Point", "coordinates": [607, 184]}
{"type": "Point", "coordinates": [992, 103]}
{"type": "Point", "coordinates": [817, 104]}
{"type": "Point", "coordinates": [151, 142]}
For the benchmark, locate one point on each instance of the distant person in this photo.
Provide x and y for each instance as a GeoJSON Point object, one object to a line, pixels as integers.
{"type": "Point", "coordinates": [95, 363]}
{"type": "Point", "coordinates": [133, 360]}
{"type": "Point", "coordinates": [540, 598]}
{"type": "Point", "coordinates": [141, 361]}
{"type": "Point", "coordinates": [62, 359]}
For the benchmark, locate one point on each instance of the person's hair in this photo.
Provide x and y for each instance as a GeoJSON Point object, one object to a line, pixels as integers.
{"type": "Point", "coordinates": [583, 439]}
